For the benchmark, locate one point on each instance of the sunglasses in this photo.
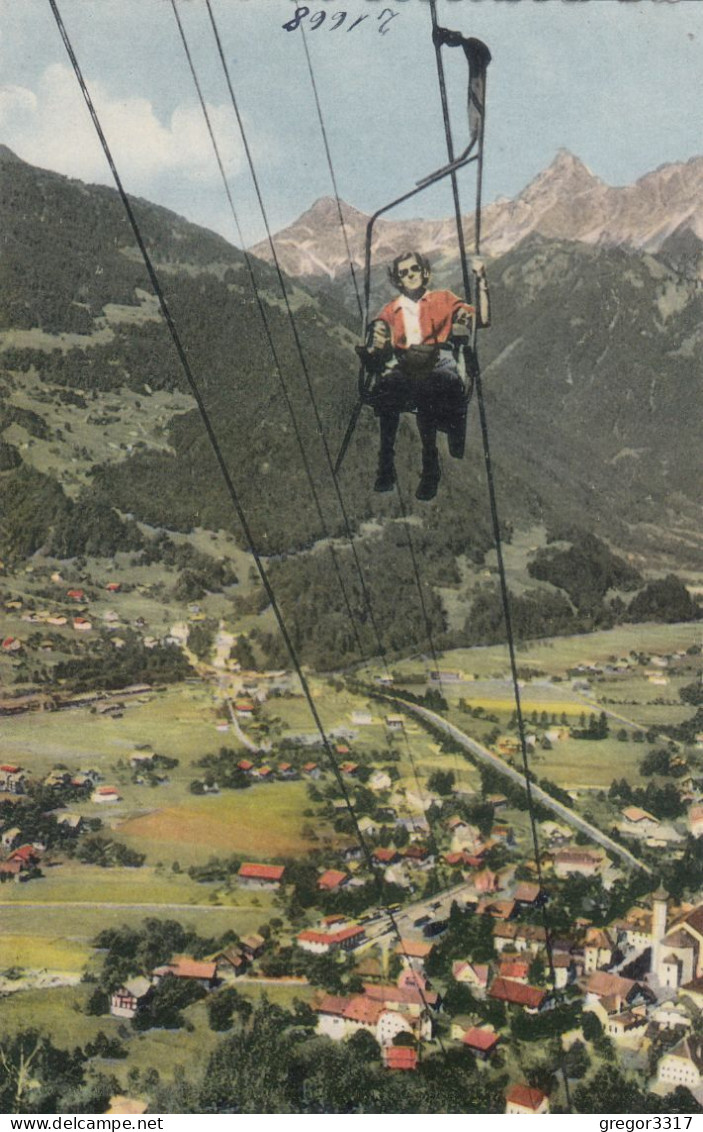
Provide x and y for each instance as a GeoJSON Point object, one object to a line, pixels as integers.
{"type": "Point", "coordinates": [416, 269]}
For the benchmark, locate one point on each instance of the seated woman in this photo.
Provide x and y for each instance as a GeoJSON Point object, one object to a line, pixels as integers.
{"type": "Point", "coordinates": [413, 339]}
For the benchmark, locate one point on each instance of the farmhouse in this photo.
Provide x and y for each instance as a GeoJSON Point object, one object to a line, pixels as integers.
{"type": "Point", "coordinates": [183, 967]}
{"type": "Point", "coordinates": [230, 962]}
{"type": "Point", "coordinates": [323, 943]}
{"type": "Point", "coordinates": [128, 999]}
{"type": "Point", "coordinates": [532, 999]}
{"type": "Point", "coordinates": [472, 974]}
{"type": "Point", "coordinates": [332, 880]}
{"type": "Point", "coordinates": [12, 778]}
{"type": "Point", "coordinates": [581, 862]}
{"type": "Point", "coordinates": [413, 953]}
{"type": "Point", "coordinates": [254, 875]}
{"type": "Point", "coordinates": [482, 1041]}
{"type": "Point", "coordinates": [400, 1057]}
{"type": "Point", "coordinates": [524, 1100]}
{"type": "Point", "coordinates": [252, 945]}
{"type": "Point", "coordinates": [26, 856]}
{"type": "Point", "coordinates": [104, 795]}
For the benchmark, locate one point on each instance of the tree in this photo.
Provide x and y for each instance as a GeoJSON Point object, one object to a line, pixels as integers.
{"type": "Point", "coordinates": [97, 1002]}
{"type": "Point", "coordinates": [591, 1026]}
{"type": "Point", "coordinates": [35, 1076]}
{"type": "Point", "coordinates": [665, 599]}
{"type": "Point", "coordinates": [364, 1046]}
{"type": "Point", "coordinates": [576, 1060]}
{"type": "Point", "coordinates": [441, 782]}
{"type": "Point", "coordinates": [170, 997]}
{"type": "Point", "coordinates": [222, 1006]}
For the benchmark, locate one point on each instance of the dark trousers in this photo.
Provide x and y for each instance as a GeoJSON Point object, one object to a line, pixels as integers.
{"type": "Point", "coordinates": [436, 398]}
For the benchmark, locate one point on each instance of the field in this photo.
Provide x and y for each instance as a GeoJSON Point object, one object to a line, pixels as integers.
{"type": "Point", "coordinates": [58, 937]}
{"type": "Point", "coordinates": [554, 655]}
{"type": "Point", "coordinates": [49, 925]}
{"type": "Point", "coordinates": [261, 822]}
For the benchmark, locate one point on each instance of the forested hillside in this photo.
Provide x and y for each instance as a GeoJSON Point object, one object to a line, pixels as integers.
{"type": "Point", "coordinates": [592, 372]}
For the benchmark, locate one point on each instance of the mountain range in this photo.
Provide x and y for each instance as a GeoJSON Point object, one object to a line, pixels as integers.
{"type": "Point", "coordinates": [592, 372]}
{"type": "Point", "coordinates": [564, 202]}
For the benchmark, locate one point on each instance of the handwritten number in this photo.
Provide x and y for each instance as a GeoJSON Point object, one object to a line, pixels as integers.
{"type": "Point", "coordinates": [391, 16]}
{"type": "Point", "coordinates": [336, 21]}
{"type": "Point", "coordinates": [300, 14]}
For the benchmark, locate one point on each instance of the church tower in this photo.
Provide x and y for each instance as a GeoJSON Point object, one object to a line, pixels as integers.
{"type": "Point", "coordinates": [659, 899]}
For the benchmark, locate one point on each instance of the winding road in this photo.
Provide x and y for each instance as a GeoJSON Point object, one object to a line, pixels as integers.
{"type": "Point", "coordinates": [486, 756]}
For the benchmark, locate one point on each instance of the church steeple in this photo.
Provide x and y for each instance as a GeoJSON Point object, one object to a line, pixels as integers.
{"type": "Point", "coordinates": [659, 899]}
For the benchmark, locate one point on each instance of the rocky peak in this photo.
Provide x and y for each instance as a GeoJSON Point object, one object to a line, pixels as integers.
{"type": "Point", "coordinates": [566, 174]}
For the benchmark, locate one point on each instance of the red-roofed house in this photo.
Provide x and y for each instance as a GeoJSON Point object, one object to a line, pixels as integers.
{"type": "Point", "coordinates": [481, 1042]}
{"type": "Point", "coordinates": [486, 881]}
{"type": "Point", "coordinates": [12, 779]}
{"type": "Point", "coordinates": [183, 967]}
{"type": "Point", "coordinates": [528, 894]}
{"type": "Point", "coordinates": [400, 1057]}
{"type": "Point", "coordinates": [254, 875]}
{"type": "Point", "coordinates": [331, 880]}
{"type": "Point", "coordinates": [514, 969]}
{"type": "Point", "coordinates": [105, 794]}
{"type": "Point", "coordinates": [339, 1017]}
{"type": "Point", "coordinates": [532, 999]}
{"type": "Point", "coordinates": [27, 855]}
{"type": "Point", "coordinates": [471, 974]}
{"type": "Point", "coordinates": [413, 953]}
{"type": "Point", "coordinates": [523, 1100]}
{"type": "Point", "coordinates": [385, 856]}
{"type": "Point", "coordinates": [321, 943]}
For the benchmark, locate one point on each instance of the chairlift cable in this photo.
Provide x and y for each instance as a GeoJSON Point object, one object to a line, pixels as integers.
{"type": "Point", "coordinates": [408, 534]}
{"type": "Point", "coordinates": [330, 166]}
{"type": "Point", "coordinates": [495, 519]}
{"type": "Point", "coordinates": [269, 335]}
{"type": "Point", "coordinates": [224, 470]}
{"type": "Point", "coordinates": [294, 329]}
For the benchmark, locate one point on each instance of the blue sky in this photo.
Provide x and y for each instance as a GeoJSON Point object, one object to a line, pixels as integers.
{"type": "Point", "coordinates": [615, 81]}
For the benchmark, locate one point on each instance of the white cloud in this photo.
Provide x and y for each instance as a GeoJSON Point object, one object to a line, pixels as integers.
{"type": "Point", "coordinates": [52, 128]}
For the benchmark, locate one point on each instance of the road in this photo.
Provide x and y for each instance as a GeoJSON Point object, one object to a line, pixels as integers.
{"type": "Point", "coordinates": [437, 907]}
{"type": "Point", "coordinates": [486, 756]}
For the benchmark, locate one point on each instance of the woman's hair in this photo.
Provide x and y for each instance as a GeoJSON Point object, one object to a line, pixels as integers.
{"type": "Point", "coordinates": [421, 259]}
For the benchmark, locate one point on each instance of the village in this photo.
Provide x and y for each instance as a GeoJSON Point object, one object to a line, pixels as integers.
{"type": "Point", "coordinates": [418, 913]}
